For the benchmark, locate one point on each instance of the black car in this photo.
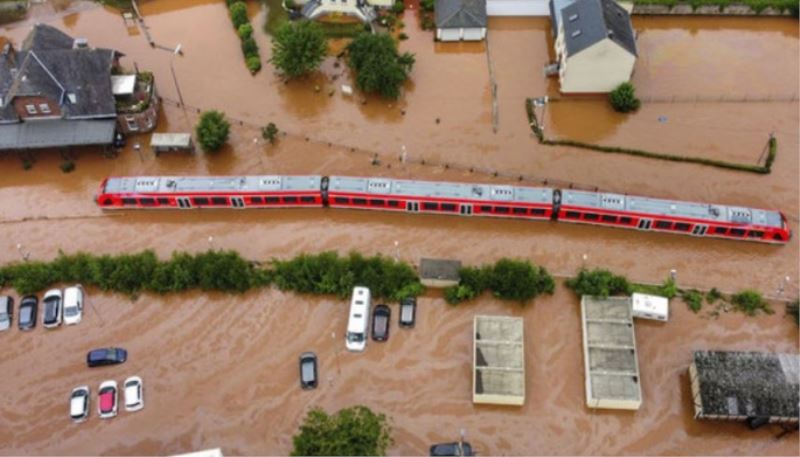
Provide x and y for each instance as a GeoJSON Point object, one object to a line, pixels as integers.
{"type": "Point", "coordinates": [408, 312]}
{"type": "Point", "coordinates": [380, 323]}
{"type": "Point", "coordinates": [106, 356]}
{"type": "Point", "coordinates": [308, 370]}
{"type": "Point", "coordinates": [28, 308]}
{"type": "Point", "coordinates": [456, 449]}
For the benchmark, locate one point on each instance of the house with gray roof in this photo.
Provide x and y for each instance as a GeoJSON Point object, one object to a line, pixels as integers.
{"type": "Point", "coordinates": [595, 45]}
{"type": "Point", "coordinates": [460, 20]}
{"type": "Point", "coordinates": [56, 91]}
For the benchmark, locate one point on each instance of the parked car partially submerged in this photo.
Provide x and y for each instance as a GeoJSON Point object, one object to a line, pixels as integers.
{"type": "Point", "coordinates": [452, 449]}
{"type": "Point", "coordinates": [380, 323]}
{"type": "Point", "coordinates": [106, 356]}
{"type": "Point", "coordinates": [6, 312]}
{"type": "Point", "coordinates": [53, 310]}
{"type": "Point", "coordinates": [308, 370]}
{"type": "Point", "coordinates": [134, 394]}
{"type": "Point", "coordinates": [79, 404]}
{"type": "Point", "coordinates": [73, 304]}
{"type": "Point", "coordinates": [408, 312]}
{"type": "Point", "coordinates": [28, 309]}
{"type": "Point", "coordinates": [107, 399]}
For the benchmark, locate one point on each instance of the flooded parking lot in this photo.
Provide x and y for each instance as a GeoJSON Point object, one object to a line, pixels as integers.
{"type": "Point", "coordinates": [221, 370]}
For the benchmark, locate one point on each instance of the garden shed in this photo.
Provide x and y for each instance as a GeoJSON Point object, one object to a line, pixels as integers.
{"type": "Point", "coordinates": [499, 361]}
{"type": "Point", "coordinates": [163, 142]}
{"type": "Point", "coordinates": [460, 20]}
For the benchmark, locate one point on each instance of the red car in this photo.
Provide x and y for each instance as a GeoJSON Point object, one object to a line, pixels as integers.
{"type": "Point", "coordinates": [107, 400]}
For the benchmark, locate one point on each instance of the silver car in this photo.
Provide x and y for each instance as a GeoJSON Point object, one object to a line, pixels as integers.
{"type": "Point", "coordinates": [6, 312]}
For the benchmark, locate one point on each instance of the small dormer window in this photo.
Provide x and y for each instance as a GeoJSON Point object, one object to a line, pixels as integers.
{"type": "Point", "coordinates": [573, 17]}
{"type": "Point", "coordinates": [73, 99]}
{"type": "Point", "coordinates": [31, 109]}
{"type": "Point", "coordinates": [576, 33]}
{"type": "Point", "coordinates": [44, 108]}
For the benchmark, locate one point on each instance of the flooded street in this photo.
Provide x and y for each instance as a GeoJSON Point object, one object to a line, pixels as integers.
{"type": "Point", "coordinates": [221, 370]}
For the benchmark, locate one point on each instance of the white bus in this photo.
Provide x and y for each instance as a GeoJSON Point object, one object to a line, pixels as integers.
{"type": "Point", "coordinates": [359, 317]}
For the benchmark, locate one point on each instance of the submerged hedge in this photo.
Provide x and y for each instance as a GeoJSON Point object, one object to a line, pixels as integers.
{"type": "Point", "coordinates": [517, 280]}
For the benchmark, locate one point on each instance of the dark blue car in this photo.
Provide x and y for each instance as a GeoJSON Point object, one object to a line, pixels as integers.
{"type": "Point", "coordinates": [106, 356]}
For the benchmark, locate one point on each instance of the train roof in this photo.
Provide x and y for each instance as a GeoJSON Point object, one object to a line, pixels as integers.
{"type": "Point", "coordinates": [384, 186]}
{"type": "Point", "coordinates": [173, 184]}
{"type": "Point", "coordinates": [660, 207]}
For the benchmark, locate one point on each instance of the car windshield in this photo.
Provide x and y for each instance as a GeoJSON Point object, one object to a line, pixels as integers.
{"type": "Point", "coordinates": [380, 323]}
{"type": "Point", "coordinates": [25, 314]}
{"type": "Point", "coordinates": [308, 370]}
{"type": "Point", "coordinates": [69, 312]}
{"type": "Point", "coordinates": [406, 312]}
{"type": "Point", "coordinates": [50, 311]}
{"type": "Point", "coordinates": [355, 337]}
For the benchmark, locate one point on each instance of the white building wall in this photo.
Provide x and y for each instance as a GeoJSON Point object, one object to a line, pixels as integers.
{"type": "Point", "coordinates": [597, 69]}
{"type": "Point", "coordinates": [517, 8]}
{"type": "Point", "coordinates": [461, 34]}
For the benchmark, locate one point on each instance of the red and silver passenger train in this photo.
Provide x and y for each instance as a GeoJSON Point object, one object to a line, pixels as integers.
{"type": "Point", "coordinates": [382, 194]}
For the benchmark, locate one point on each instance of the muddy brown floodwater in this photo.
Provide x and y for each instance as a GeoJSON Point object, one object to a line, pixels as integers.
{"type": "Point", "coordinates": [220, 370]}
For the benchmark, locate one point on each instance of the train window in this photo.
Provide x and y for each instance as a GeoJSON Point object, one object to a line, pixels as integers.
{"type": "Point", "coordinates": [501, 209]}
{"type": "Point", "coordinates": [721, 230]}
{"type": "Point", "coordinates": [377, 202]}
{"type": "Point", "coordinates": [341, 200]}
{"type": "Point", "coordinates": [147, 201]}
{"type": "Point", "coordinates": [608, 218]}
{"type": "Point", "coordinates": [430, 205]}
{"type": "Point", "coordinates": [682, 226]}
{"type": "Point", "coordinates": [625, 220]}
{"type": "Point", "coordinates": [200, 201]}
{"type": "Point", "coordinates": [359, 201]}
{"type": "Point", "coordinates": [128, 201]}
{"type": "Point", "coordinates": [573, 215]}
{"type": "Point", "coordinates": [393, 203]}
{"type": "Point", "coordinates": [163, 201]}
{"type": "Point", "coordinates": [486, 209]}
{"type": "Point", "coordinates": [307, 199]}
{"type": "Point", "coordinates": [272, 200]}
{"type": "Point", "coordinates": [448, 207]}
{"type": "Point", "coordinates": [737, 232]}
{"type": "Point", "coordinates": [590, 216]}
{"type": "Point", "coordinates": [290, 199]}
{"type": "Point", "coordinates": [538, 211]}
{"type": "Point", "coordinates": [755, 234]}
{"type": "Point", "coordinates": [777, 236]}
{"type": "Point", "coordinates": [520, 210]}
{"type": "Point", "coordinates": [219, 200]}
{"type": "Point", "coordinates": [663, 224]}
{"type": "Point", "coordinates": [256, 200]}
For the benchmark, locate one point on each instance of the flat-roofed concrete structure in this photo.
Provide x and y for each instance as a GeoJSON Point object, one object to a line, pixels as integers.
{"type": "Point", "coordinates": [439, 272]}
{"type": "Point", "coordinates": [499, 361]}
{"type": "Point", "coordinates": [753, 387]}
{"type": "Point", "coordinates": [609, 353]}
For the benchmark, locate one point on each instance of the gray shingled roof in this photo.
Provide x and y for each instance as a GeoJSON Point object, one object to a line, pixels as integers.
{"type": "Point", "coordinates": [587, 22]}
{"type": "Point", "coordinates": [56, 133]}
{"type": "Point", "coordinates": [46, 37]}
{"type": "Point", "coordinates": [460, 13]}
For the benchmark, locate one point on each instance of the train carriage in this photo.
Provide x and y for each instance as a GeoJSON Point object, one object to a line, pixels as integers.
{"type": "Point", "coordinates": [440, 197]}
{"type": "Point", "coordinates": [185, 192]}
{"type": "Point", "coordinates": [671, 216]}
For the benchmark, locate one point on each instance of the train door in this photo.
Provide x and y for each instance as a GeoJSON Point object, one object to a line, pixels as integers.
{"type": "Point", "coordinates": [466, 209]}
{"type": "Point", "coordinates": [412, 207]}
{"type": "Point", "coordinates": [237, 202]}
{"type": "Point", "coordinates": [184, 203]}
{"type": "Point", "coordinates": [699, 230]}
{"type": "Point", "coordinates": [644, 224]}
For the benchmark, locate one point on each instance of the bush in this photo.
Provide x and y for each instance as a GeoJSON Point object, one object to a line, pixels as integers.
{"type": "Point", "coordinates": [750, 302]}
{"type": "Point", "coordinates": [378, 66]}
{"type": "Point", "coordinates": [398, 7]}
{"type": "Point", "coordinates": [693, 299]}
{"type": "Point", "coordinates": [402, 36]}
{"type": "Point", "coordinates": [270, 132]}
{"type": "Point", "coordinates": [793, 309]}
{"type": "Point", "coordinates": [508, 279]}
{"type": "Point", "coordinates": [212, 131]}
{"type": "Point", "coordinates": [298, 48]}
{"type": "Point", "coordinates": [253, 64]}
{"type": "Point", "coordinates": [623, 98]}
{"type": "Point", "coordinates": [427, 5]}
{"type": "Point", "coordinates": [351, 431]}
{"type": "Point", "coordinates": [67, 166]}
{"type": "Point", "coordinates": [245, 31]}
{"type": "Point", "coordinates": [249, 47]}
{"type": "Point", "coordinates": [667, 289]}
{"type": "Point", "coordinates": [238, 11]}
{"type": "Point", "coordinates": [713, 295]}
{"type": "Point", "coordinates": [599, 283]}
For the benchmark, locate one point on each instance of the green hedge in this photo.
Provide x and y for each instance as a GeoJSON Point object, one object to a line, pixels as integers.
{"type": "Point", "coordinates": [599, 283]}
{"type": "Point", "coordinates": [517, 280]}
{"type": "Point", "coordinates": [238, 13]}
{"type": "Point", "coordinates": [766, 169]}
{"type": "Point", "coordinates": [756, 5]}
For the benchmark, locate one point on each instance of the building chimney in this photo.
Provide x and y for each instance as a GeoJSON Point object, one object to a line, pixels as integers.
{"type": "Point", "coordinates": [80, 43]}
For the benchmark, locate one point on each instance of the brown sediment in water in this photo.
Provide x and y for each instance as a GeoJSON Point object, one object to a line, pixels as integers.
{"type": "Point", "coordinates": [220, 370]}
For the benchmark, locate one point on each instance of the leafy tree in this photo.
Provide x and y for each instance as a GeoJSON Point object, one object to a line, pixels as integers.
{"type": "Point", "coordinates": [212, 130]}
{"type": "Point", "coordinates": [623, 98]}
{"type": "Point", "coordinates": [398, 7]}
{"type": "Point", "coordinates": [298, 48]}
{"type": "Point", "coordinates": [600, 283]}
{"type": "Point", "coordinates": [253, 63]}
{"type": "Point", "coordinates": [238, 12]}
{"type": "Point", "coordinates": [519, 280]}
{"type": "Point", "coordinates": [351, 431]}
{"type": "Point", "coordinates": [427, 5]}
{"type": "Point", "coordinates": [249, 47]}
{"type": "Point", "coordinates": [270, 132]}
{"type": "Point", "coordinates": [245, 31]}
{"type": "Point", "coordinates": [378, 66]}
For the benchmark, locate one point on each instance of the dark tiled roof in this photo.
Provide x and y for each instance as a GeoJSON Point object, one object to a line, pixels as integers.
{"type": "Point", "coordinates": [45, 37]}
{"type": "Point", "coordinates": [460, 13]}
{"type": "Point", "coordinates": [587, 22]}
{"type": "Point", "coordinates": [55, 133]}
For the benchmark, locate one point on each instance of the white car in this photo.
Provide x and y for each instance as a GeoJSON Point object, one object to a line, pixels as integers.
{"type": "Point", "coordinates": [73, 304]}
{"type": "Point", "coordinates": [79, 404]}
{"type": "Point", "coordinates": [134, 394]}
{"type": "Point", "coordinates": [107, 399]}
{"type": "Point", "coordinates": [53, 308]}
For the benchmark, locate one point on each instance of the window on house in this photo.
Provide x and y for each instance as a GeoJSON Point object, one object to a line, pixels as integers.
{"type": "Point", "coordinates": [573, 17]}
{"type": "Point", "coordinates": [31, 109]}
{"type": "Point", "coordinates": [44, 107]}
{"type": "Point", "coordinates": [132, 124]}
{"type": "Point", "coordinates": [575, 33]}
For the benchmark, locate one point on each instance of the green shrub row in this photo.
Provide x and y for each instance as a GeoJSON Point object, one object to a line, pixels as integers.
{"type": "Point", "coordinates": [793, 310]}
{"type": "Point", "coordinates": [767, 168]}
{"type": "Point", "coordinates": [599, 283]}
{"type": "Point", "coordinates": [756, 5]}
{"type": "Point", "coordinates": [508, 279]}
{"type": "Point", "coordinates": [238, 13]}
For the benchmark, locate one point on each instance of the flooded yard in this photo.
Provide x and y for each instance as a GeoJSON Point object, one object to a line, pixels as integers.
{"type": "Point", "coordinates": [220, 371]}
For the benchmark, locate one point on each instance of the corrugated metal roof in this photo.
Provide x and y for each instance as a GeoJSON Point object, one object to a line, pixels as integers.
{"type": "Point", "coordinates": [210, 184]}
{"type": "Point", "coordinates": [56, 133]}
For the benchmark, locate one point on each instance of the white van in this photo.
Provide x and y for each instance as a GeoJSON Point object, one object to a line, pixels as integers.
{"type": "Point", "coordinates": [359, 317]}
